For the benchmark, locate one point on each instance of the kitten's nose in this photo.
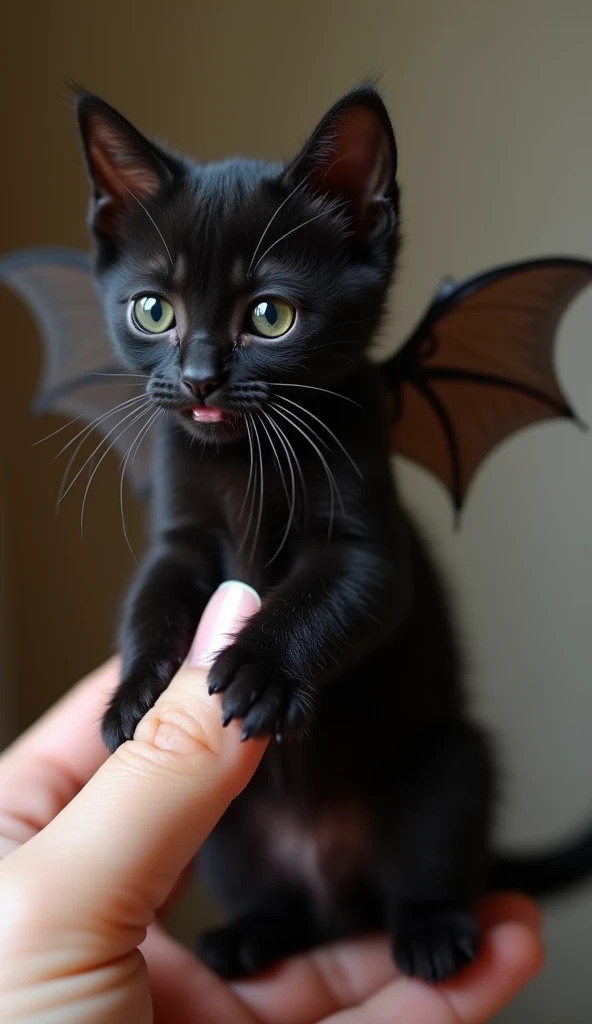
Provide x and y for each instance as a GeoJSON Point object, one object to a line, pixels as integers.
{"type": "Point", "coordinates": [202, 366]}
{"type": "Point", "coordinates": [200, 382]}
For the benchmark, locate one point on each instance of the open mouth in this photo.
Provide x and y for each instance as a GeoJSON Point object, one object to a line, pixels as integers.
{"type": "Point", "coordinates": [207, 414]}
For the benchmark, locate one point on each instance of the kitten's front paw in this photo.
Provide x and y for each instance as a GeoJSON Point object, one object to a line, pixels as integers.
{"type": "Point", "coordinates": [433, 941]}
{"type": "Point", "coordinates": [268, 701]}
{"type": "Point", "coordinates": [232, 952]}
{"type": "Point", "coordinates": [129, 704]}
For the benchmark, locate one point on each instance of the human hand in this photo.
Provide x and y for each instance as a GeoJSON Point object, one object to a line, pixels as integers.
{"type": "Point", "coordinates": [88, 864]}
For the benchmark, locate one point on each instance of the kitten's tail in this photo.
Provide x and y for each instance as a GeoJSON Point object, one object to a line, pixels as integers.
{"type": "Point", "coordinates": [545, 874]}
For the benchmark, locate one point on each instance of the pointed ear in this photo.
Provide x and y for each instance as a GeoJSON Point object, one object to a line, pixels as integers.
{"type": "Point", "coordinates": [352, 156]}
{"type": "Point", "coordinates": [124, 167]}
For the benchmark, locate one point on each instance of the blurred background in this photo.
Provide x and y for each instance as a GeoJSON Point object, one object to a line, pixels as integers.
{"type": "Point", "coordinates": [491, 105]}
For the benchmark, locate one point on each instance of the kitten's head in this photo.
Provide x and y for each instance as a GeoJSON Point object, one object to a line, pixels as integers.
{"type": "Point", "coordinates": [224, 283]}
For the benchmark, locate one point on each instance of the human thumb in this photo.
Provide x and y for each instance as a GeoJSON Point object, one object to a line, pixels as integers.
{"type": "Point", "coordinates": [111, 857]}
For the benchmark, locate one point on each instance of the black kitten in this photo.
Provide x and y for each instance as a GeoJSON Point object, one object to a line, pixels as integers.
{"type": "Point", "coordinates": [249, 294]}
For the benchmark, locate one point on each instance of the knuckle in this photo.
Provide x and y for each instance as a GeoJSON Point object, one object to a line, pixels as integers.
{"type": "Point", "coordinates": [177, 731]}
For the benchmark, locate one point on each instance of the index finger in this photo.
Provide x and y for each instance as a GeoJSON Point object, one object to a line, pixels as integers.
{"type": "Point", "coordinates": [44, 769]}
{"type": "Point", "coordinates": [134, 826]}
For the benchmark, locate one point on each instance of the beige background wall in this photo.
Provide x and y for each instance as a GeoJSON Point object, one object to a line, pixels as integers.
{"type": "Point", "coordinates": [491, 102]}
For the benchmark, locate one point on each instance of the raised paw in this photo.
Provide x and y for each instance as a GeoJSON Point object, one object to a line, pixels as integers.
{"type": "Point", "coordinates": [432, 941]}
{"type": "Point", "coordinates": [129, 704]}
{"type": "Point", "coordinates": [268, 702]}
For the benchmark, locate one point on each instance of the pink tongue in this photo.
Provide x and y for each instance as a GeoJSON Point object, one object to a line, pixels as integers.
{"type": "Point", "coordinates": [201, 414]}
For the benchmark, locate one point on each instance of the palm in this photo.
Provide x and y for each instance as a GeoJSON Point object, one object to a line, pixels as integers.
{"type": "Point", "coordinates": [357, 977]}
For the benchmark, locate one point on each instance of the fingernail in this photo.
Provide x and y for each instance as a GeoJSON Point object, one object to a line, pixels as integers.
{"type": "Point", "coordinates": [224, 615]}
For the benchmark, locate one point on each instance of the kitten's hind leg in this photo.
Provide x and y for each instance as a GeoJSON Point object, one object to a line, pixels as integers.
{"type": "Point", "coordinates": [282, 925]}
{"type": "Point", "coordinates": [161, 615]}
{"type": "Point", "coordinates": [434, 857]}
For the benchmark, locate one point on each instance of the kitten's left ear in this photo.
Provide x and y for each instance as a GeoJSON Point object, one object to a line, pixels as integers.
{"type": "Point", "coordinates": [352, 156]}
{"type": "Point", "coordinates": [125, 168]}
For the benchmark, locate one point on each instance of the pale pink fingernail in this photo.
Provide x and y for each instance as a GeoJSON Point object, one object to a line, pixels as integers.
{"type": "Point", "coordinates": [227, 610]}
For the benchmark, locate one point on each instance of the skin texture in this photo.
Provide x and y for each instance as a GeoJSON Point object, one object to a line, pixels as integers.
{"type": "Point", "coordinates": [100, 956]}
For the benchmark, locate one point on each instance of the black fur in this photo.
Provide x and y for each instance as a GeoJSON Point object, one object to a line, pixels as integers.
{"type": "Point", "coordinates": [388, 783]}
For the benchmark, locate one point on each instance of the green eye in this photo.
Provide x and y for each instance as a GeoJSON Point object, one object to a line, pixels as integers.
{"type": "Point", "coordinates": [153, 314]}
{"type": "Point", "coordinates": [270, 318]}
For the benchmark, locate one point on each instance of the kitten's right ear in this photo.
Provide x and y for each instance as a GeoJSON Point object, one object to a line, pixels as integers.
{"type": "Point", "coordinates": [352, 157]}
{"type": "Point", "coordinates": [124, 167]}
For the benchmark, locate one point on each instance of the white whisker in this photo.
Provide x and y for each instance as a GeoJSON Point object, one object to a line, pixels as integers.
{"type": "Point", "coordinates": [137, 416]}
{"type": "Point", "coordinates": [133, 412]}
{"type": "Point", "coordinates": [161, 412]}
{"type": "Point", "coordinates": [248, 487]}
{"type": "Point", "coordinates": [75, 419]}
{"type": "Point", "coordinates": [277, 460]}
{"type": "Point", "coordinates": [151, 218]}
{"type": "Point", "coordinates": [296, 462]}
{"type": "Point", "coordinates": [137, 384]}
{"type": "Point", "coordinates": [261, 492]}
{"type": "Point", "coordinates": [324, 213]}
{"type": "Point", "coordinates": [333, 488]}
{"type": "Point", "coordinates": [58, 431]}
{"type": "Point", "coordinates": [84, 434]}
{"type": "Point", "coordinates": [311, 387]}
{"type": "Point", "coordinates": [99, 373]}
{"type": "Point", "coordinates": [274, 215]}
{"type": "Point", "coordinates": [253, 493]}
{"type": "Point", "coordinates": [330, 432]}
{"type": "Point", "coordinates": [99, 419]}
{"type": "Point", "coordinates": [134, 446]}
{"type": "Point", "coordinates": [292, 499]}
{"type": "Point", "coordinates": [306, 425]}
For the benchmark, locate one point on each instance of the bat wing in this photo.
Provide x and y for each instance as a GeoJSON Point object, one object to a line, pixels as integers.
{"type": "Point", "coordinates": [480, 367]}
{"type": "Point", "coordinates": [81, 376]}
